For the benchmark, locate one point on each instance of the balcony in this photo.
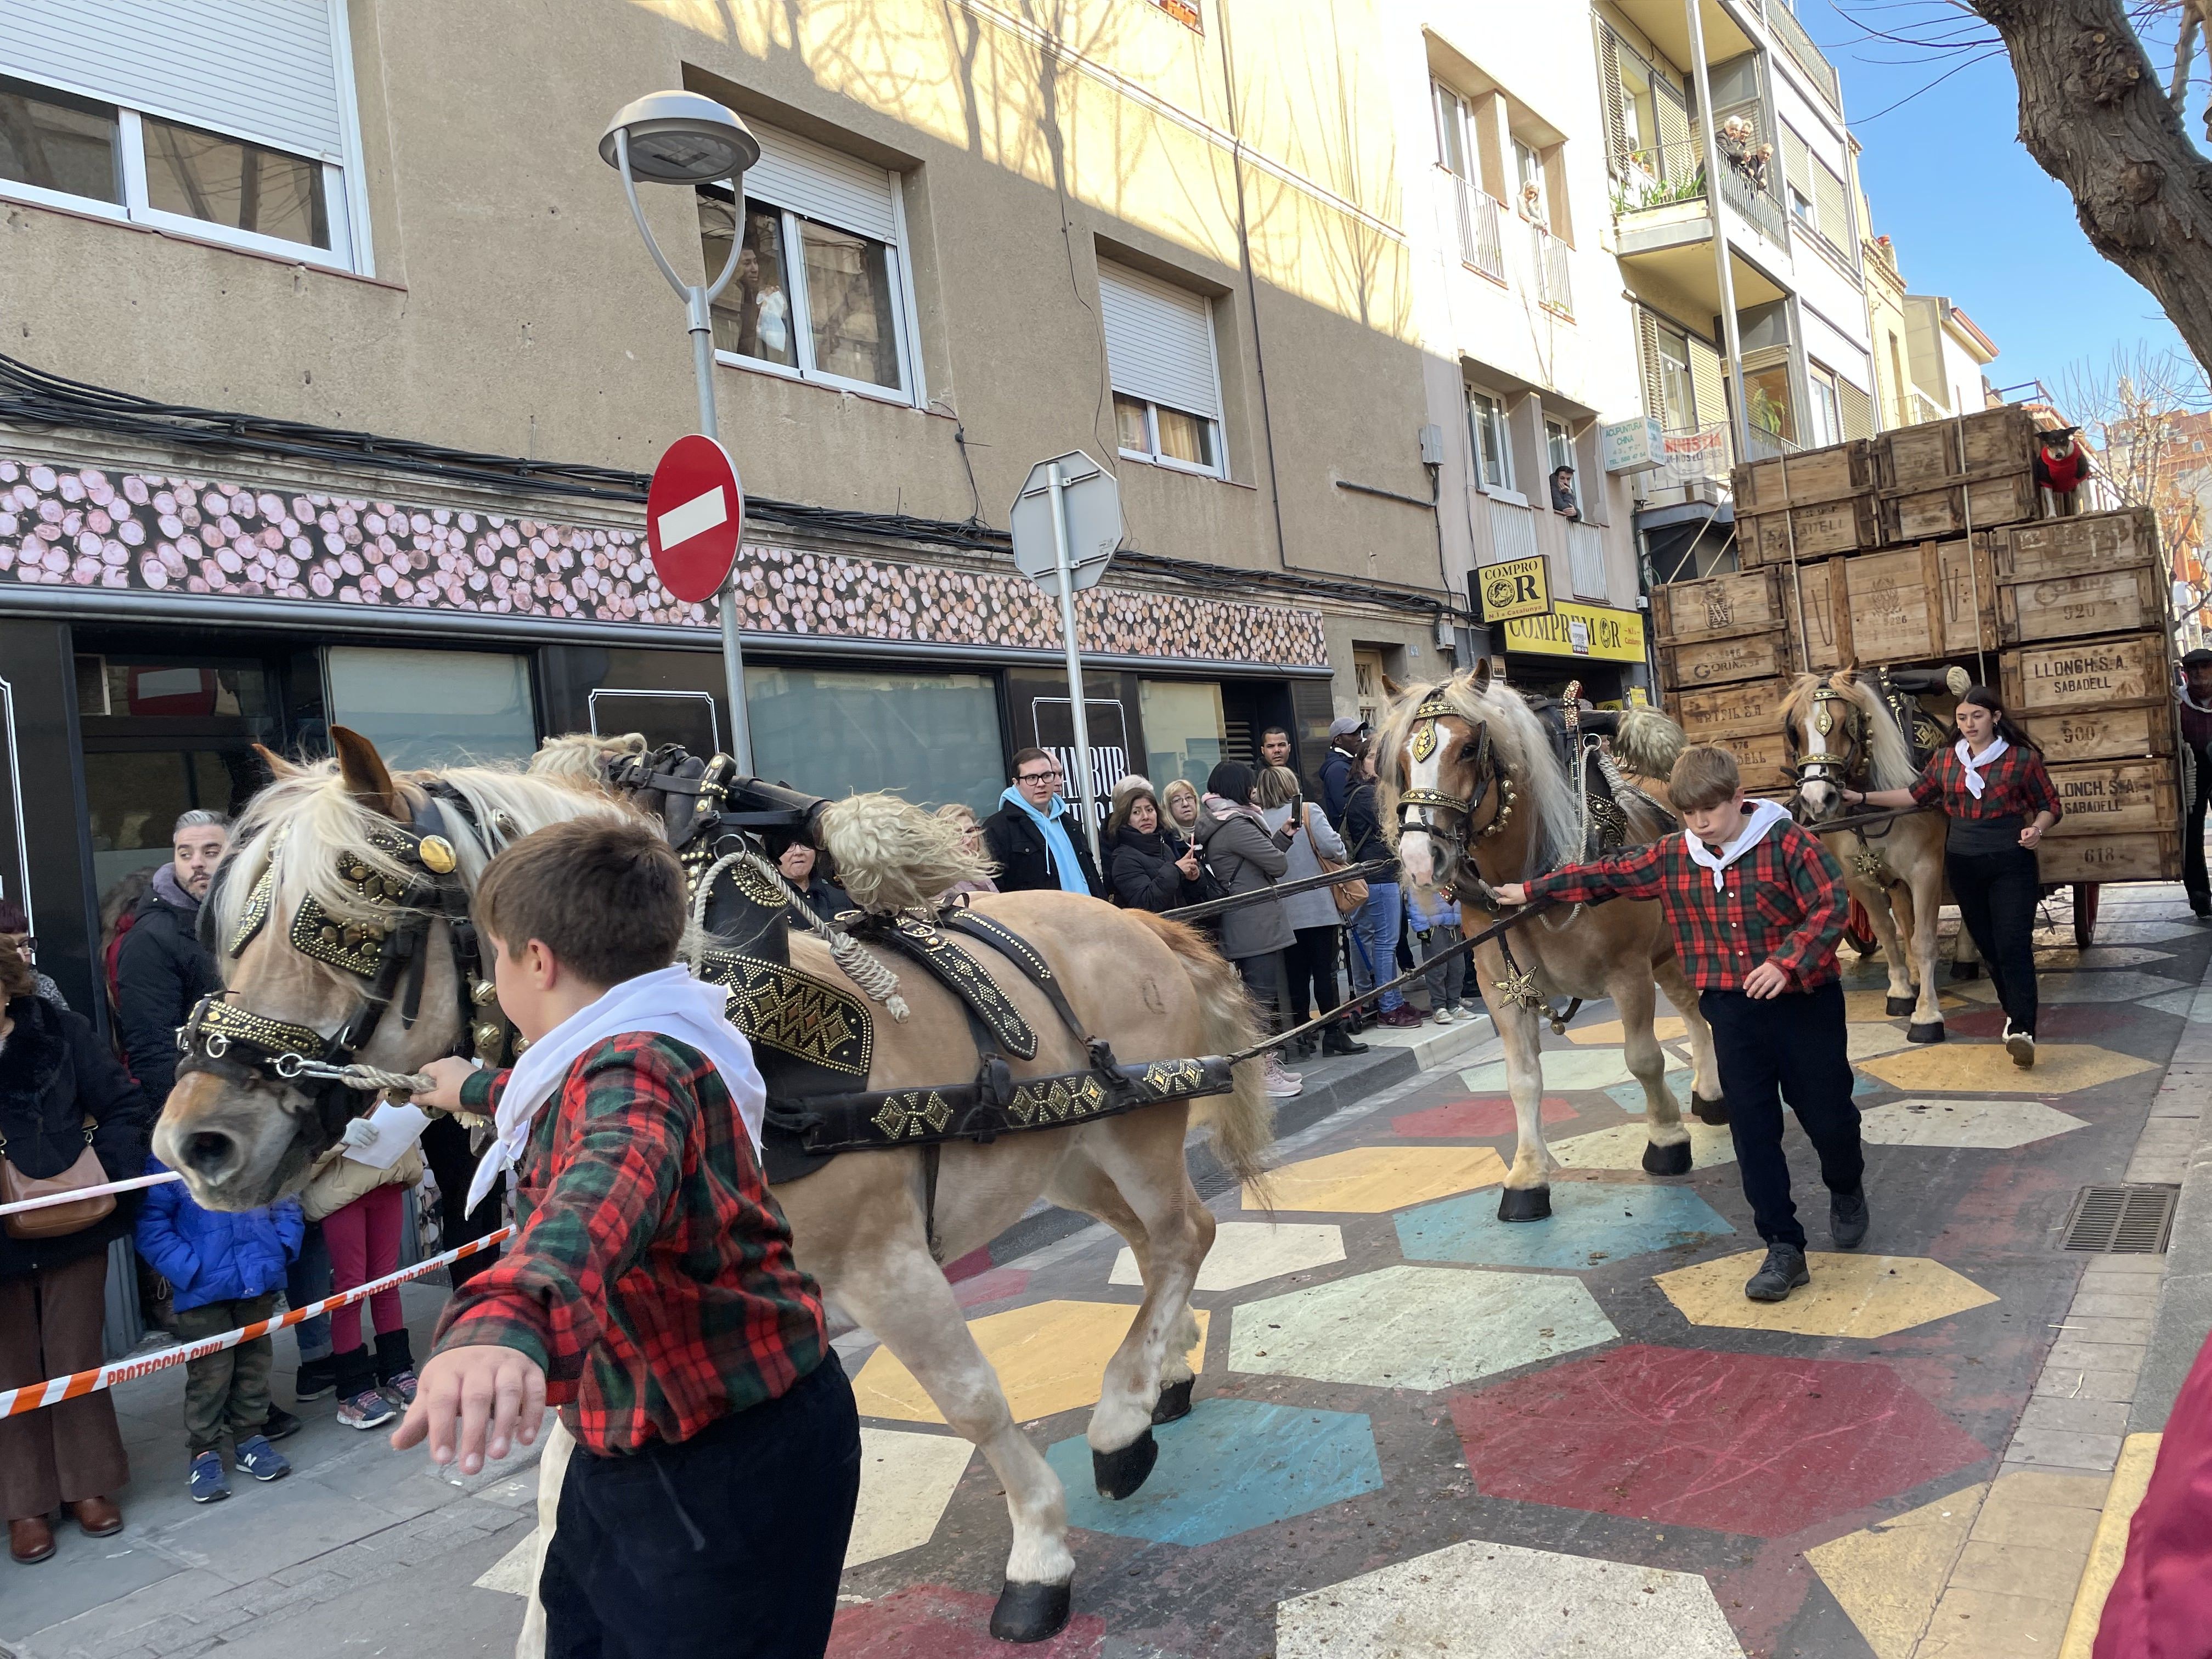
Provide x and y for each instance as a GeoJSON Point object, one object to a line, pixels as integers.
{"type": "Point", "coordinates": [1664, 225]}
{"type": "Point", "coordinates": [1481, 246]}
{"type": "Point", "coordinates": [1549, 262]}
{"type": "Point", "coordinates": [1731, 28]}
{"type": "Point", "coordinates": [1799, 44]}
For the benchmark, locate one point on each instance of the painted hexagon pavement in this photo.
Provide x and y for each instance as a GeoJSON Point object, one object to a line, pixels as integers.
{"type": "Point", "coordinates": [1861, 1296]}
{"type": "Point", "coordinates": [1229, 1466]}
{"type": "Point", "coordinates": [906, 1481]}
{"type": "Point", "coordinates": [1050, 1357]}
{"type": "Point", "coordinates": [1416, 1328]}
{"type": "Point", "coordinates": [1984, 1068]}
{"type": "Point", "coordinates": [1370, 1180]}
{"type": "Point", "coordinates": [1246, 1252]}
{"type": "Point", "coordinates": [1479, 1117]}
{"type": "Point", "coordinates": [930, 1621]}
{"type": "Point", "coordinates": [1592, 1221]}
{"type": "Point", "coordinates": [1993, 1125]}
{"type": "Point", "coordinates": [1750, 1443]}
{"type": "Point", "coordinates": [1621, 1147]}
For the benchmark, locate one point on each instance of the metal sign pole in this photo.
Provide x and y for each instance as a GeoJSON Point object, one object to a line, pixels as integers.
{"type": "Point", "coordinates": [1074, 659]}
{"type": "Point", "coordinates": [701, 322]}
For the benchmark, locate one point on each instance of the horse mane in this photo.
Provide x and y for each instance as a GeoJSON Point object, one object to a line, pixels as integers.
{"type": "Point", "coordinates": [1546, 800]}
{"type": "Point", "coordinates": [577, 758]}
{"type": "Point", "coordinates": [1889, 761]}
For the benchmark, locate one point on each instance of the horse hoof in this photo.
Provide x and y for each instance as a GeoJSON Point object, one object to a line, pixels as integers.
{"type": "Point", "coordinates": [1896, 1005]}
{"type": "Point", "coordinates": [1525, 1204]}
{"type": "Point", "coordinates": [1120, 1473]}
{"type": "Point", "coordinates": [1174, 1402]}
{"type": "Point", "coordinates": [1931, 1032]}
{"type": "Point", "coordinates": [1965, 971]}
{"type": "Point", "coordinates": [1031, 1613]}
{"type": "Point", "coordinates": [1666, 1160]}
{"type": "Point", "coordinates": [1714, 1112]}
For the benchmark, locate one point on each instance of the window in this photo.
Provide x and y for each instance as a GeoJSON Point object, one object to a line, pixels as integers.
{"type": "Point", "coordinates": [831, 732]}
{"type": "Point", "coordinates": [1186, 730]}
{"type": "Point", "coordinates": [1768, 391]}
{"type": "Point", "coordinates": [1528, 183]}
{"type": "Point", "coordinates": [1558, 451]}
{"type": "Point", "coordinates": [434, 707]}
{"type": "Point", "coordinates": [63, 150]}
{"type": "Point", "coordinates": [1826, 413]}
{"type": "Point", "coordinates": [1160, 355]}
{"type": "Point", "coordinates": [1493, 455]}
{"type": "Point", "coordinates": [1454, 140]}
{"type": "Point", "coordinates": [821, 291]}
{"type": "Point", "coordinates": [1677, 385]}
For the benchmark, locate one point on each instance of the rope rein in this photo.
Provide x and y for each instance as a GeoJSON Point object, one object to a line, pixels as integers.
{"type": "Point", "coordinates": [876, 982]}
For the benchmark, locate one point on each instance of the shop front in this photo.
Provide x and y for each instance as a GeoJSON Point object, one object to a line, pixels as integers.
{"type": "Point", "coordinates": [1596, 645]}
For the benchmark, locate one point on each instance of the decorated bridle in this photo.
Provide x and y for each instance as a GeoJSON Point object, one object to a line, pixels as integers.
{"type": "Point", "coordinates": [1816, 762]}
{"type": "Point", "coordinates": [1418, 809]}
{"type": "Point", "coordinates": [388, 954]}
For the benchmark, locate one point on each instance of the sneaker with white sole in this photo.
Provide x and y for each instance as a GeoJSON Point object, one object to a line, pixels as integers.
{"type": "Point", "coordinates": [2021, 1045]}
{"type": "Point", "coordinates": [1445, 1017]}
{"type": "Point", "coordinates": [369, 1409]}
{"type": "Point", "coordinates": [258, 1458]}
{"type": "Point", "coordinates": [1281, 1082]}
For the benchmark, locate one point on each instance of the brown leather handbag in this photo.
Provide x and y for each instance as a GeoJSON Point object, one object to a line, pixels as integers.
{"type": "Point", "coordinates": [56, 1220]}
{"type": "Point", "coordinates": [1349, 895]}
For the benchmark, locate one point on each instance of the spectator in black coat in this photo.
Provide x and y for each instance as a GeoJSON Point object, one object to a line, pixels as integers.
{"type": "Point", "coordinates": [1036, 838]}
{"type": "Point", "coordinates": [1153, 867]}
{"type": "Point", "coordinates": [162, 968]}
{"type": "Point", "coordinates": [802, 868]}
{"type": "Point", "coordinates": [1339, 768]}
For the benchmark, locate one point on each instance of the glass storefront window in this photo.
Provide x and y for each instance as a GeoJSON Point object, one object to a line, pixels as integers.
{"type": "Point", "coordinates": [934, 739]}
{"type": "Point", "coordinates": [433, 708]}
{"type": "Point", "coordinates": [1186, 732]}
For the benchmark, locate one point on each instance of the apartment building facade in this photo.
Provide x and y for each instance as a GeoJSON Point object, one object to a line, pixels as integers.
{"type": "Point", "coordinates": [336, 357]}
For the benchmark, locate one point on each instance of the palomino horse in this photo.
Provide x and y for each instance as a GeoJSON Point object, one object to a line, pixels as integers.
{"type": "Point", "coordinates": [1841, 733]}
{"type": "Point", "coordinates": [1473, 792]}
{"type": "Point", "coordinates": [350, 845]}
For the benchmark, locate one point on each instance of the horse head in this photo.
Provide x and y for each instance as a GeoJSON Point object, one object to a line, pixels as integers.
{"type": "Point", "coordinates": [1443, 784]}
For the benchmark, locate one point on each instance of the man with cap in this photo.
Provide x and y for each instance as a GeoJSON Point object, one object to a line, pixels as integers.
{"type": "Point", "coordinates": [1346, 738]}
{"type": "Point", "coordinates": [2196, 697]}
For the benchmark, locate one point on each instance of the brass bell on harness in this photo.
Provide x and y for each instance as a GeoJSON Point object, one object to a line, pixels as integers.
{"type": "Point", "coordinates": [483, 993]}
{"type": "Point", "coordinates": [486, 1036]}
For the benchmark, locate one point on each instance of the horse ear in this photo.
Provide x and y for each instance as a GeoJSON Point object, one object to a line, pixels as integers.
{"type": "Point", "coordinates": [363, 770]}
{"type": "Point", "coordinates": [277, 765]}
{"type": "Point", "coordinates": [1479, 675]}
{"type": "Point", "coordinates": [1391, 688]}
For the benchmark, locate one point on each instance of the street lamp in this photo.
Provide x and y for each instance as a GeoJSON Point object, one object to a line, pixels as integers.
{"type": "Point", "coordinates": [682, 138]}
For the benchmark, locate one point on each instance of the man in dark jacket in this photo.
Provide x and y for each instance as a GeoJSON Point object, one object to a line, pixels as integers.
{"type": "Point", "coordinates": [1036, 838]}
{"type": "Point", "coordinates": [2195, 696]}
{"type": "Point", "coordinates": [1346, 738]}
{"type": "Point", "coordinates": [162, 968]}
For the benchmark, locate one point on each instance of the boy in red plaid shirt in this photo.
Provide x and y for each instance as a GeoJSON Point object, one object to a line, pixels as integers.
{"type": "Point", "coordinates": [1757, 905]}
{"type": "Point", "coordinates": [650, 1292]}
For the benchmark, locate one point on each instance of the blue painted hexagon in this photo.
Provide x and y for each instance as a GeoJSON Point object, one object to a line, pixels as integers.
{"type": "Point", "coordinates": [1592, 1221]}
{"type": "Point", "coordinates": [1229, 1466]}
{"type": "Point", "coordinates": [1629, 1096]}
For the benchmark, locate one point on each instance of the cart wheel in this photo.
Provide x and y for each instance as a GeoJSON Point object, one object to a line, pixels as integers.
{"type": "Point", "coordinates": [2085, 913]}
{"type": "Point", "coordinates": [1858, 932]}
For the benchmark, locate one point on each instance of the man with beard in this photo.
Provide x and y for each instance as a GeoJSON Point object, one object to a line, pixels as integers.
{"type": "Point", "coordinates": [162, 970]}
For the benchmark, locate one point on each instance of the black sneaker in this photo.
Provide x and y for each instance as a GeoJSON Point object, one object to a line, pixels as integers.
{"type": "Point", "coordinates": [1847, 1219]}
{"type": "Point", "coordinates": [1783, 1271]}
{"type": "Point", "coordinates": [314, 1379]}
{"type": "Point", "coordinates": [281, 1423]}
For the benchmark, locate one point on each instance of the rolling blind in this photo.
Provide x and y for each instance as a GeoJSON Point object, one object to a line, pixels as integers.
{"type": "Point", "coordinates": [1707, 382]}
{"type": "Point", "coordinates": [1832, 210]}
{"type": "Point", "coordinates": [820, 183]}
{"type": "Point", "coordinates": [1797, 164]}
{"type": "Point", "coordinates": [1673, 116]}
{"type": "Point", "coordinates": [264, 70]}
{"type": "Point", "coordinates": [1616, 115]}
{"type": "Point", "coordinates": [1159, 341]}
{"type": "Point", "coordinates": [1647, 352]}
{"type": "Point", "coordinates": [1858, 409]}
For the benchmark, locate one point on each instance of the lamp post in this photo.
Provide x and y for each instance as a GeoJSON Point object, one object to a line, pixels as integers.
{"type": "Point", "coordinates": [682, 138]}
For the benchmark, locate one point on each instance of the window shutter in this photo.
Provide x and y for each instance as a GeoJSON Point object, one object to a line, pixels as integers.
{"type": "Point", "coordinates": [1707, 383]}
{"type": "Point", "coordinates": [1832, 211]}
{"type": "Point", "coordinates": [1858, 409]}
{"type": "Point", "coordinates": [1680, 150]}
{"type": "Point", "coordinates": [1647, 352]}
{"type": "Point", "coordinates": [820, 183]}
{"type": "Point", "coordinates": [263, 69]}
{"type": "Point", "coordinates": [1797, 164]}
{"type": "Point", "coordinates": [1616, 115]}
{"type": "Point", "coordinates": [1159, 341]}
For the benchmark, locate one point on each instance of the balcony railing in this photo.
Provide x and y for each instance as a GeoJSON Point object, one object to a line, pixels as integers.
{"type": "Point", "coordinates": [1666, 173]}
{"type": "Point", "coordinates": [1480, 247]}
{"type": "Point", "coordinates": [1553, 290]}
{"type": "Point", "coordinates": [1807, 56]}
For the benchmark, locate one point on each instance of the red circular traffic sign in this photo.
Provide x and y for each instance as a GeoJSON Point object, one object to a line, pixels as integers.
{"type": "Point", "coordinates": [694, 515]}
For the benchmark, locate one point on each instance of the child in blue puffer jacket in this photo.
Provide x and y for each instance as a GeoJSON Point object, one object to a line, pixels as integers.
{"type": "Point", "coordinates": [227, 1269]}
{"type": "Point", "coordinates": [1432, 929]}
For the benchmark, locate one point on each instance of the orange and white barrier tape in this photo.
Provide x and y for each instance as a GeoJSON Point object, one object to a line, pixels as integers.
{"type": "Point", "coordinates": [76, 1194]}
{"type": "Point", "coordinates": [35, 1396]}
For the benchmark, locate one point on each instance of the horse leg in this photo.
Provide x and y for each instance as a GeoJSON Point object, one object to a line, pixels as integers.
{"type": "Point", "coordinates": [1667, 1152]}
{"type": "Point", "coordinates": [1082, 1186]}
{"type": "Point", "coordinates": [1527, 1193]}
{"type": "Point", "coordinates": [893, 1288]}
{"type": "Point", "coordinates": [1878, 903]}
{"type": "Point", "coordinates": [1922, 910]}
{"type": "Point", "coordinates": [1706, 1099]}
{"type": "Point", "coordinates": [1141, 1154]}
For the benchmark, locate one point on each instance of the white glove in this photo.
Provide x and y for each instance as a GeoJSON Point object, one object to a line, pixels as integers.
{"type": "Point", "coordinates": [358, 1134]}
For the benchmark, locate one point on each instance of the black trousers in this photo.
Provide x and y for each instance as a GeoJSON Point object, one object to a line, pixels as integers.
{"type": "Point", "coordinates": [445, 1150]}
{"type": "Point", "coordinates": [1997, 893]}
{"type": "Point", "coordinates": [1790, 1047]}
{"type": "Point", "coordinates": [1263, 978]}
{"type": "Point", "coordinates": [726, 1546]}
{"type": "Point", "coordinates": [2192, 842]}
{"type": "Point", "coordinates": [1310, 960]}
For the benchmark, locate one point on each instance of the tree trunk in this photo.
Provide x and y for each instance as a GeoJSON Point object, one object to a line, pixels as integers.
{"type": "Point", "coordinates": [2092, 114]}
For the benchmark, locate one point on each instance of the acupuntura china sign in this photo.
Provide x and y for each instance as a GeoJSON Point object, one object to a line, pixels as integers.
{"type": "Point", "coordinates": [1579, 630]}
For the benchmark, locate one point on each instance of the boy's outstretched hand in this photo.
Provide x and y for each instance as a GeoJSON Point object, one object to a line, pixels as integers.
{"type": "Point", "coordinates": [447, 1075]}
{"type": "Point", "coordinates": [1765, 980]}
{"type": "Point", "coordinates": [481, 1388]}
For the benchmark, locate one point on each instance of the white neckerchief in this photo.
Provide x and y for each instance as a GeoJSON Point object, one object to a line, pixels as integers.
{"type": "Point", "coordinates": [1974, 763]}
{"type": "Point", "coordinates": [2201, 707]}
{"type": "Point", "coordinates": [668, 1003]}
{"type": "Point", "coordinates": [1762, 816]}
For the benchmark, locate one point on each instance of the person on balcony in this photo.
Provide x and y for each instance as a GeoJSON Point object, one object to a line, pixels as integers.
{"type": "Point", "coordinates": [1742, 150]}
{"type": "Point", "coordinates": [1563, 493]}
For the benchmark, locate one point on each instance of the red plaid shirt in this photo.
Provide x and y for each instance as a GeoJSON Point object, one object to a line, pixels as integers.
{"type": "Point", "coordinates": [652, 1276]}
{"type": "Point", "coordinates": [1782, 902]}
{"type": "Point", "coordinates": [2013, 784]}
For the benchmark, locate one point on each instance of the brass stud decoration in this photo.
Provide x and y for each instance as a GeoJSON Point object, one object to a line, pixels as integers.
{"type": "Point", "coordinates": [437, 856]}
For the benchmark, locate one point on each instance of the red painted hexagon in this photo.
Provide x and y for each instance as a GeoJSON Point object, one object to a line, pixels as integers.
{"type": "Point", "coordinates": [1747, 1444]}
{"type": "Point", "coordinates": [928, 1621]}
{"type": "Point", "coordinates": [1479, 1117]}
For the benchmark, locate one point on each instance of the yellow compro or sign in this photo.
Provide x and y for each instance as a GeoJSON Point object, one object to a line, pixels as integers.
{"type": "Point", "coordinates": [1518, 587]}
{"type": "Point", "coordinates": [1579, 630]}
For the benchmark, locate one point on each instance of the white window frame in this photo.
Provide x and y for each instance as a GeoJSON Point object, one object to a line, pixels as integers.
{"type": "Point", "coordinates": [1825, 405]}
{"type": "Point", "coordinates": [343, 207]}
{"type": "Point", "coordinates": [1154, 457]}
{"type": "Point", "coordinates": [910, 392]}
{"type": "Point", "coordinates": [1480, 430]}
{"type": "Point", "coordinates": [1449, 107]}
{"type": "Point", "coordinates": [1560, 451]}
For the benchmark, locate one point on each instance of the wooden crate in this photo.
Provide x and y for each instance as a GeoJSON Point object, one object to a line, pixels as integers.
{"type": "Point", "coordinates": [1762, 759]}
{"type": "Point", "coordinates": [1952, 508]}
{"type": "Point", "coordinates": [1917, 603]}
{"type": "Point", "coordinates": [2139, 856]}
{"type": "Point", "coordinates": [1827, 641]}
{"type": "Point", "coordinates": [2103, 733]}
{"type": "Point", "coordinates": [1723, 662]}
{"type": "Point", "coordinates": [1748, 709]}
{"type": "Point", "coordinates": [1718, 607]}
{"type": "Point", "coordinates": [2086, 675]}
{"type": "Point", "coordinates": [2117, 797]}
{"type": "Point", "coordinates": [1813, 475]}
{"type": "Point", "coordinates": [1844, 526]}
{"type": "Point", "coordinates": [1988, 440]}
{"type": "Point", "coordinates": [2078, 546]}
{"type": "Point", "coordinates": [2123, 601]}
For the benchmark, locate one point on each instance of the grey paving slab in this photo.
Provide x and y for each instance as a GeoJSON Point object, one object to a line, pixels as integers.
{"type": "Point", "coordinates": [2046, 1448]}
{"type": "Point", "coordinates": [2073, 1383]}
{"type": "Point", "coordinates": [2075, 1416]}
{"type": "Point", "coordinates": [114, 1623]}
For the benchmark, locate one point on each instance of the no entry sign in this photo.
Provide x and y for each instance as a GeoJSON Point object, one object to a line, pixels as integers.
{"type": "Point", "coordinates": [695, 513]}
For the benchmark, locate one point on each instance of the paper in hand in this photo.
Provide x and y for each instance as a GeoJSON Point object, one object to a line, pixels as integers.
{"type": "Point", "coordinates": [398, 1127]}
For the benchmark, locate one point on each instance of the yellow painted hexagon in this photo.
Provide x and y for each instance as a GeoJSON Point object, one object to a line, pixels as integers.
{"type": "Point", "coordinates": [1984, 1068]}
{"type": "Point", "coordinates": [1665, 1027]}
{"type": "Point", "coordinates": [1875, 1005]}
{"type": "Point", "coordinates": [1621, 1147]}
{"type": "Point", "coordinates": [1050, 1357]}
{"type": "Point", "coordinates": [1850, 1296]}
{"type": "Point", "coordinates": [1369, 1180]}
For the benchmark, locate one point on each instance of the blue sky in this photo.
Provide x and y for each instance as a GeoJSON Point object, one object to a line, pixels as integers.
{"type": "Point", "coordinates": [1972, 216]}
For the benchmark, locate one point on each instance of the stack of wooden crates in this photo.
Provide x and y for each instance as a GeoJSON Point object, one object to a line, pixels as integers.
{"type": "Point", "coordinates": [1923, 548]}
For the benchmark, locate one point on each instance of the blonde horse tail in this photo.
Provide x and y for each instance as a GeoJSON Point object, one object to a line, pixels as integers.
{"type": "Point", "coordinates": [1647, 743]}
{"type": "Point", "coordinates": [1242, 1123]}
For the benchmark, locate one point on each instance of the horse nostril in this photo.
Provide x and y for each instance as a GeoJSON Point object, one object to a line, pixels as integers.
{"type": "Point", "coordinates": [210, 1153]}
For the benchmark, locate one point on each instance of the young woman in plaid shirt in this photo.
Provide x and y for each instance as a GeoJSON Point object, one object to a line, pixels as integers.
{"type": "Point", "coordinates": [1991, 784]}
{"type": "Point", "coordinates": [1756, 905]}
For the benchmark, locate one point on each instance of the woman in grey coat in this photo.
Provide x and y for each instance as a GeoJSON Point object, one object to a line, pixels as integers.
{"type": "Point", "coordinates": [1309, 962]}
{"type": "Point", "coordinates": [1247, 857]}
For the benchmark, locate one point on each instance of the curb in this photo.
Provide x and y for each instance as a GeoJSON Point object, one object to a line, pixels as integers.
{"type": "Point", "coordinates": [2183, 1318]}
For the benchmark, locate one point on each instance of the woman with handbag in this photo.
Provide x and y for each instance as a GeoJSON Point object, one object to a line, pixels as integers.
{"type": "Point", "coordinates": [1316, 929]}
{"type": "Point", "coordinates": [70, 1117]}
{"type": "Point", "coordinates": [1246, 857]}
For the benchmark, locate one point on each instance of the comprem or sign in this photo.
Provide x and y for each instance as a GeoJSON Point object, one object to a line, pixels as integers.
{"type": "Point", "coordinates": [694, 516]}
{"type": "Point", "coordinates": [1516, 588]}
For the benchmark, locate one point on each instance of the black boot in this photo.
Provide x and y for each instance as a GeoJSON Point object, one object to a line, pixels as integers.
{"type": "Point", "coordinates": [1847, 1219]}
{"type": "Point", "coordinates": [1337, 1040]}
{"type": "Point", "coordinates": [392, 1355]}
{"type": "Point", "coordinates": [1783, 1271]}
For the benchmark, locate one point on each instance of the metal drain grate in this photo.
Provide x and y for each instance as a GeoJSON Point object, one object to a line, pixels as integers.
{"type": "Point", "coordinates": [2129, 1220]}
